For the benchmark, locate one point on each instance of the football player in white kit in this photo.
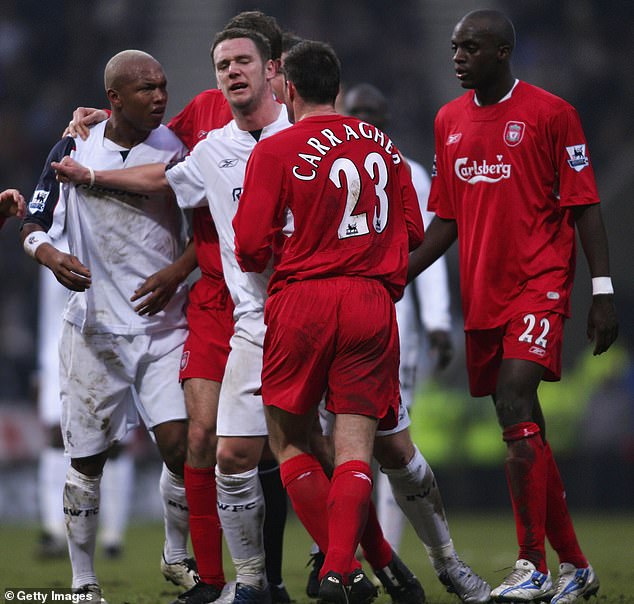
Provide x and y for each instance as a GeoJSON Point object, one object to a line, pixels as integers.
{"type": "Point", "coordinates": [118, 475]}
{"type": "Point", "coordinates": [108, 350]}
{"type": "Point", "coordinates": [213, 174]}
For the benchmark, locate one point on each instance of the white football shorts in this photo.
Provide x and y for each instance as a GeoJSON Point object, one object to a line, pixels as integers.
{"type": "Point", "coordinates": [103, 375]}
{"type": "Point", "coordinates": [240, 408]}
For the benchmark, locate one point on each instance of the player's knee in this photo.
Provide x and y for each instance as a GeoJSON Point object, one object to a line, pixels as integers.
{"type": "Point", "coordinates": [201, 437]}
{"type": "Point", "coordinates": [394, 451]}
{"type": "Point", "coordinates": [233, 460]}
{"type": "Point", "coordinates": [201, 447]}
{"type": "Point", "coordinates": [516, 391]}
{"type": "Point", "coordinates": [90, 466]}
{"type": "Point", "coordinates": [511, 408]}
{"type": "Point", "coordinates": [174, 459]}
{"type": "Point", "coordinates": [171, 438]}
{"type": "Point", "coordinates": [392, 458]}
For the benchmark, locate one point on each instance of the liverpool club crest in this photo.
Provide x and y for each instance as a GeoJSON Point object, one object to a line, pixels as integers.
{"type": "Point", "coordinates": [514, 133]}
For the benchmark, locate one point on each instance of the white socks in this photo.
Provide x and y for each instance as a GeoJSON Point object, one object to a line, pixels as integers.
{"type": "Point", "coordinates": [81, 508]}
{"type": "Point", "coordinates": [175, 516]}
{"type": "Point", "coordinates": [116, 492]}
{"type": "Point", "coordinates": [417, 494]}
{"type": "Point", "coordinates": [241, 511]}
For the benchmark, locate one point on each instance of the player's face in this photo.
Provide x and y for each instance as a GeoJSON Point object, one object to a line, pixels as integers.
{"type": "Point", "coordinates": [144, 98]}
{"type": "Point", "coordinates": [241, 73]}
{"type": "Point", "coordinates": [476, 56]}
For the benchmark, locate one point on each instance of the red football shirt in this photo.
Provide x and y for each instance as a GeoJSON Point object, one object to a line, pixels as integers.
{"type": "Point", "coordinates": [507, 174]}
{"type": "Point", "coordinates": [344, 197]}
{"type": "Point", "coordinates": [207, 111]}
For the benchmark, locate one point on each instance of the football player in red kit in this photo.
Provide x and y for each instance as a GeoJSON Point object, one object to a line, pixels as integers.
{"type": "Point", "coordinates": [512, 181]}
{"type": "Point", "coordinates": [336, 196]}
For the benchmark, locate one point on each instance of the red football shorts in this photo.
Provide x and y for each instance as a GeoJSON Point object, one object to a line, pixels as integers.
{"type": "Point", "coordinates": [336, 335]}
{"type": "Point", "coordinates": [206, 348]}
{"type": "Point", "coordinates": [533, 337]}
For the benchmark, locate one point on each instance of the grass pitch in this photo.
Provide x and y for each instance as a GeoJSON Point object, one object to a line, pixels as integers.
{"type": "Point", "coordinates": [487, 543]}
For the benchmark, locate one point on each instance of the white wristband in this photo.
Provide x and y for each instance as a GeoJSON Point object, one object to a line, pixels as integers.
{"type": "Point", "coordinates": [34, 240]}
{"type": "Point", "coordinates": [92, 176]}
{"type": "Point", "coordinates": [602, 285]}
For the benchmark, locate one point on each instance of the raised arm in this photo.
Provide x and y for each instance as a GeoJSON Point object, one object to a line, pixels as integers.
{"type": "Point", "coordinates": [439, 237]}
{"type": "Point", "coordinates": [602, 321]}
{"type": "Point", "coordinates": [149, 178]}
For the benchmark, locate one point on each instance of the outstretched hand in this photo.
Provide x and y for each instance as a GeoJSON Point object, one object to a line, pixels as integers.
{"type": "Point", "coordinates": [603, 326]}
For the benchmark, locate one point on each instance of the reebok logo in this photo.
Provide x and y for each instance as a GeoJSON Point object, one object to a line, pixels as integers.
{"type": "Point", "coordinates": [228, 163]}
{"type": "Point", "coordinates": [537, 351]}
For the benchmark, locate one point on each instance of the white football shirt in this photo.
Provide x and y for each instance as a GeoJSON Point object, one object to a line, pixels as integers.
{"type": "Point", "coordinates": [214, 174]}
{"type": "Point", "coordinates": [123, 238]}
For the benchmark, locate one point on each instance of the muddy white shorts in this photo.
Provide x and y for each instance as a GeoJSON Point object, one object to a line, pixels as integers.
{"type": "Point", "coordinates": [106, 378]}
{"type": "Point", "coordinates": [240, 408]}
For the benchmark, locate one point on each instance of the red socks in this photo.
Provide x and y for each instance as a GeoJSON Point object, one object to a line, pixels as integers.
{"type": "Point", "coordinates": [308, 486]}
{"type": "Point", "coordinates": [204, 524]}
{"type": "Point", "coordinates": [333, 512]}
{"type": "Point", "coordinates": [376, 549]}
{"type": "Point", "coordinates": [348, 502]}
{"type": "Point", "coordinates": [559, 528]}
{"type": "Point", "coordinates": [527, 475]}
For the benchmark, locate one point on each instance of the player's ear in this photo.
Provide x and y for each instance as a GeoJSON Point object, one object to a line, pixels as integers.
{"type": "Point", "coordinates": [291, 91]}
{"type": "Point", "coordinates": [504, 52]}
{"type": "Point", "coordinates": [271, 69]}
{"type": "Point", "coordinates": [114, 97]}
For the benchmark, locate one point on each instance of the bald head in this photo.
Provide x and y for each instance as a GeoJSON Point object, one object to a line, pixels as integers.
{"type": "Point", "coordinates": [490, 23]}
{"type": "Point", "coordinates": [127, 66]}
{"type": "Point", "coordinates": [366, 102]}
{"type": "Point", "coordinates": [482, 44]}
{"type": "Point", "coordinates": [136, 87]}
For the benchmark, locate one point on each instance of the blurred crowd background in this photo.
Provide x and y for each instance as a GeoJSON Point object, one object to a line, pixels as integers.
{"type": "Point", "coordinates": [52, 57]}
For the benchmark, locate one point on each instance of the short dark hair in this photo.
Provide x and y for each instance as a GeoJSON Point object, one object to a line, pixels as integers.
{"type": "Point", "coordinates": [261, 43]}
{"type": "Point", "coordinates": [315, 71]}
{"type": "Point", "coordinates": [264, 24]}
{"type": "Point", "coordinates": [289, 40]}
